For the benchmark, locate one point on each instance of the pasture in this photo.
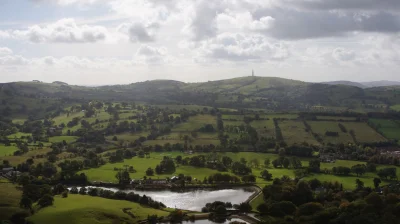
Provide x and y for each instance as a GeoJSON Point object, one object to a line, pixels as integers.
{"type": "Point", "coordinates": [295, 132]}
{"type": "Point", "coordinates": [68, 139]}
{"type": "Point", "coordinates": [85, 209]}
{"type": "Point", "coordinates": [364, 133]}
{"type": "Point", "coordinates": [389, 128]}
{"type": "Point", "coordinates": [195, 123]}
{"type": "Point", "coordinates": [9, 199]}
{"type": "Point", "coordinates": [8, 150]}
{"type": "Point", "coordinates": [321, 127]}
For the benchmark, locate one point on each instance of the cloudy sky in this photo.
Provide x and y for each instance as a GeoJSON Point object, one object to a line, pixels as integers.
{"type": "Point", "coordinates": [94, 42]}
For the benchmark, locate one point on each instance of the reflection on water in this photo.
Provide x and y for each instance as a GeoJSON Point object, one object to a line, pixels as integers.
{"type": "Point", "coordinates": [211, 222]}
{"type": "Point", "coordinates": [194, 200]}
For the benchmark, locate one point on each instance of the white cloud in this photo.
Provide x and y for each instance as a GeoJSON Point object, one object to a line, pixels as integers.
{"type": "Point", "coordinates": [138, 32]}
{"type": "Point", "coordinates": [5, 51]}
{"type": "Point", "coordinates": [62, 31]}
{"type": "Point", "coordinates": [240, 47]}
{"type": "Point", "coordinates": [342, 54]}
{"type": "Point", "coordinates": [13, 60]}
{"type": "Point", "coordinates": [151, 55]}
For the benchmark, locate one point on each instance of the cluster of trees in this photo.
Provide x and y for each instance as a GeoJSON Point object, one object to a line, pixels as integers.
{"type": "Point", "coordinates": [332, 133]}
{"type": "Point", "coordinates": [219, 210]}
{"type": "Point", "coordinates": [297, 201]}
{"type": "Point", "coordinates": [286, 162]}
{"type": "Point", "coordinates": [385, 159]}
{"type": "Point", "coordinates": [219, 178]}
{"type": "Point", "coordinates": [167, 165]}
{"type": "Point", "coordinates": [119, 195]}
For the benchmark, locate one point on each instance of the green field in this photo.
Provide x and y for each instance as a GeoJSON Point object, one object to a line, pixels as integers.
{"type": "Point", "coordinates": [7, 150]}
{"type": "Point", "coordinates": [295, 132]}
{"type": "Point", "coordinates": [321, 127]}
{"type": "Point", "coordinates": [389, 128]}
{"type": "Point", "coordinates": [86, 209]}
{"type": "Point", "coordinates": [364, 133]}
{"type": "Point", "coordinates": [15, 160]}
{"type": "Point", "coordinates": [131, 137]}
{"type": "Point", "coordinates": [336, 118]}
{"type": "Point", "coordinates": [395, 107]}
{"type": "Point", "coordinates": [195, 123]}
{"type": "Point", "coordinates": [18, 135]}
{"type": "Point", "coordinates": [68, 139]}
{"type": "Point", "coordinates": [9, 199]}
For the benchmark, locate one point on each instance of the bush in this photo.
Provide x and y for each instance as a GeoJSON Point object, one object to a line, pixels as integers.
{"type": "Point", "coordinates": [65, 194]}
{"type": "Point", "coordinates": [46, 200]}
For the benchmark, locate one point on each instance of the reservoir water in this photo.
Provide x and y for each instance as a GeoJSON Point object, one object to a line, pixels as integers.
{"type": "Point", "coordinates": [193, 200]}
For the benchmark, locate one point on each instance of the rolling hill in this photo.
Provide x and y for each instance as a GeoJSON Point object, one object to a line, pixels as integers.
{"type": "Point", "coordinates": [246, 92]}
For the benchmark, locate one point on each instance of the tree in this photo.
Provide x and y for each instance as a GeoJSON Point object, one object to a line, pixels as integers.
{"type": "Point", "coordinates": [267, 162]}
{"type": "Point", "coordinates": [266, 175]}
{"type": "Point", "coordinates": [123, 177]}
{"type": "Point", "coordinates": [377, 181]}
{"type": "Point", "coordinates": [286, 162]}
{"type": "Point", "coordinates": [149, 172]}
{"type": "Point", "coordinates": [359, 184]}
{"type": "Point", "coordinates": [25, 202]}
{"type": "Point", "coordinates": [245, 207]}
{"type": "Point", "coordinates": [227, 161]}
{"type": "Point", "coordinates": [46, 200]}
{"type": "Point", "coordinates": [82, 191]}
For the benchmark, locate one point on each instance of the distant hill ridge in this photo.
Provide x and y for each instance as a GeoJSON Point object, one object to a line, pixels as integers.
{"type": "Point", "coordinates": [372, 84]}
{"type": "Point", "coordinates": [244, 92]}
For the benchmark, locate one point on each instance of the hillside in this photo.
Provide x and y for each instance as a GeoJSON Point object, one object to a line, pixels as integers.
{"type": "Point", "coordinates": [346, 83]}
{"type": "Point", "coordinates": [246, 92]}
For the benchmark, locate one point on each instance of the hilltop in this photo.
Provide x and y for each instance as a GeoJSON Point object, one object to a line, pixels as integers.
{"type": "Point", "coordinates": [246, 92]}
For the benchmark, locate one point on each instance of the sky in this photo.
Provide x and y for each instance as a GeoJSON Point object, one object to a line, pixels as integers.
{"type": "Point", "coordinates": [97, 42]}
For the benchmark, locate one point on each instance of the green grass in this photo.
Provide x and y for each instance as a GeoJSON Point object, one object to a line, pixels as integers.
{"type": "Point", "coordinates": [86, 209]}
{"type": "Point", "coordinates": [321, 127]}
{"type": "Point", "coordinates": [294, 132]}
{"type": "Point", "coordinates": [15, 160]}
{"type": "Point", "coordinates": [128, 136]}
{"type": "Point", "coordinates": [68, 139]}
{"type": "Point", "coordinates": [18, 135]}
{"type": "Point", "coordinates": [395, 107]}
{"type": "Point", "coordinates": [65, 118]}
{"type": "Point", "coordinates": [389, 128]}
{"type": "Point", "coordinates": [107, 173]}
{"type": "Point", "coordinates": [196, 122]}
{"type": "Point", "coordinates": [364, 133]}
{"type": "Point", "coordinates": [336, 118]}
{"type": "Point", "coordinates": [9, 199]}
{"type": "Point", "coordinates": [7, 150]}
{"type": "Point", "coordinates": [264, 128]}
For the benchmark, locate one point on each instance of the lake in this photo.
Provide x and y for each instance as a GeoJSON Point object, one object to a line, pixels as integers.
{"type": "Point", "coordinates": [193, 200]}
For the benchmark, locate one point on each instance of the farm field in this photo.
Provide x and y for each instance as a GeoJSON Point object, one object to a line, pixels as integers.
{"type": "Point", "coordinates": [265, 128]}
{"type": "Point", "coordinates": [86, 209]}
{"type": "Point", "coordinates": [294, 132]}
{"type": "Point", "coordinates": [9, 199]}
{"type": "Point", "coordinates": [129, 136]}
{"type": "Point", "coordinates": [395, 107]}
{"type": "Point", "coordinates": [15, 160]}
{"type": "Point", "coordinates": [68, 139]}
{"type": "Point", "coordinates": [7, 150]}
{"type": "Point", "coordinates": [364, 133]}
{"type": "Point", "coordinates": [336, 118]}
{"type": "Point", "coordinates": [389, 128]}
{"type": "Point", "coordinates": [321, 127]}
{"type": "Point", "coordinates": [195, 123]}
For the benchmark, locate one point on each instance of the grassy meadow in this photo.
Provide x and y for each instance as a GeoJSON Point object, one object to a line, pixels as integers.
{"type": "Point", "coordinates": [364, 133]}
{"type": "Point", "coordinates": [86, 209]}
{"type": "Point", "coordinates": [9, 199]}
{"type": "Point", "coordinates": [321, 127]}
{"type": "Point", "coordinates": [295, 132]}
